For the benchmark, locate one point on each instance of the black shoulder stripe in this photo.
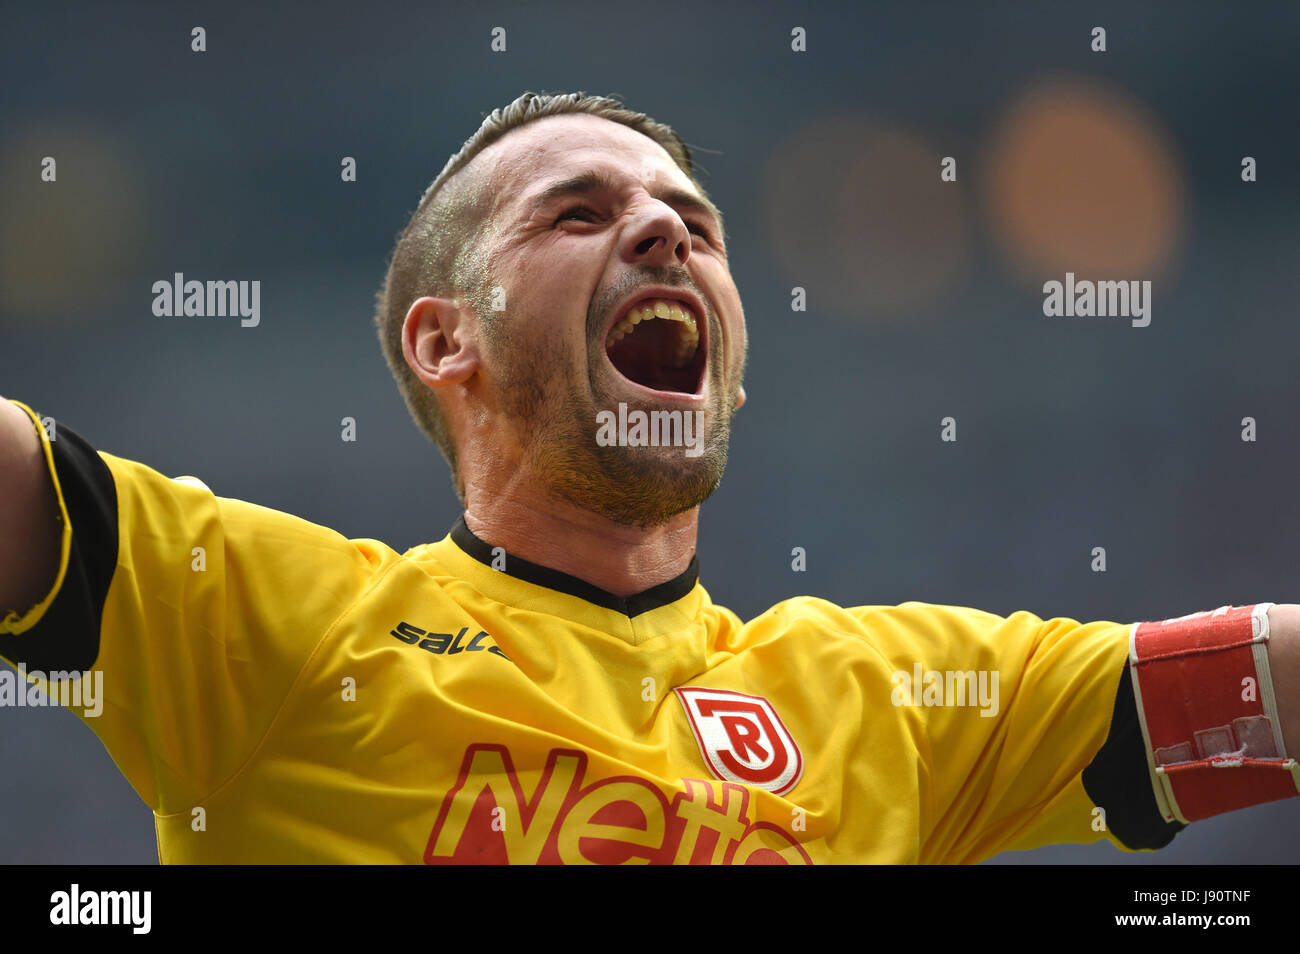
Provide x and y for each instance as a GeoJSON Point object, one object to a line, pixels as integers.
{"type": "Point", "coordinates": [67, 637]}
{"type": "Point", "coordinates": [1119, 781]}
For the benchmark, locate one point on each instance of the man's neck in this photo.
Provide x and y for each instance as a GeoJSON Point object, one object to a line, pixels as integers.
{"type": "Point", "coordinates": [619, 559]}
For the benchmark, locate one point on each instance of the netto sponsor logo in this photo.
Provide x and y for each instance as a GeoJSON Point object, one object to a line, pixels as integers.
{"type": "Point", "coordinates": [497, 813]}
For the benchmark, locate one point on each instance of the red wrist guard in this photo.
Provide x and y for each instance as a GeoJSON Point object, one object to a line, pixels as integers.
{"type": "Point", "coordinates": [1205, 700]}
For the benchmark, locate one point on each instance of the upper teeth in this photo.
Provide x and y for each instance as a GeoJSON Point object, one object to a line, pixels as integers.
{"type": "Point", "coordinates": [662, 308]}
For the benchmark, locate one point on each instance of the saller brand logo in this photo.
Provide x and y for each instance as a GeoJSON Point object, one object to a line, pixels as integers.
{"type": "Point", "coordinates": [742, 738]}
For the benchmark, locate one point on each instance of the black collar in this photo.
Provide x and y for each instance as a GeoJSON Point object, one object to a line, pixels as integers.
{"type": "Point", "coordinates": [667, 592]}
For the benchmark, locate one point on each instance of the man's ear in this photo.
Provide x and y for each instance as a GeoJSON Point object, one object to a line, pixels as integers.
{"type": "Point", "coordinates": [740, 398]}
{"type": "Point", "coordinates": [439, 341]}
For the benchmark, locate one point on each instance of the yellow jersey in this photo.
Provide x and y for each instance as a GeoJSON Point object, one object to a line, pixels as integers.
{"type": "Point", "coordinates": [279, 693]}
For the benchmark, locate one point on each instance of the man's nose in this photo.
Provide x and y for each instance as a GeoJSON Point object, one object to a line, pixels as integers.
{"type": "Point", "coordinates": [659, 237]}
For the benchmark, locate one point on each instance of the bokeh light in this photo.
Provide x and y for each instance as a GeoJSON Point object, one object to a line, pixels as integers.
{"type": "Point", "coordinates": [63, 242]}
{"type": "Point", "coordinates": [857, 211]}
{"type": "Point", "coordinates": [1079, 177]}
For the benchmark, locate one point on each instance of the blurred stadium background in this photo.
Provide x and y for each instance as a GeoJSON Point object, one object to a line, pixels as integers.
{"type": "Point", "coordinates": [924, 297]}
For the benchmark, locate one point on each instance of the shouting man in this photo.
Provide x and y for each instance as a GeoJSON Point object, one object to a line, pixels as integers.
{"type": "Point", "coordinates": [550, 682]}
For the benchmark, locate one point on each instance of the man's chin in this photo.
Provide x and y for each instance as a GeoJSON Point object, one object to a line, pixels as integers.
{"type": "Point", "coordinates": [644, 487]}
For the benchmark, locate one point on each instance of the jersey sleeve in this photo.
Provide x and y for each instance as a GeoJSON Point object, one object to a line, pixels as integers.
{"type": "Point", "coordinates": [182, 617]}
{"type": "Point", "coordinates": [1028, 729]}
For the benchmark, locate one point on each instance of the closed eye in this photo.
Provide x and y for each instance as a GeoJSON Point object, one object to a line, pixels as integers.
{"type": "Point", "coordinates": [571, 213]}
{"type": "Point", "coordinates": [591, 215]}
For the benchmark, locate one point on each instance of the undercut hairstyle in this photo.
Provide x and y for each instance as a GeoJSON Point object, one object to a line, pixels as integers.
{"type": "Point", "coordinates": [439, 253]}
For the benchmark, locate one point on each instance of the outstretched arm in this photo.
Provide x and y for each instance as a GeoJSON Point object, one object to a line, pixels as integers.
{"type": "Point", "coordinates": [29, 521]}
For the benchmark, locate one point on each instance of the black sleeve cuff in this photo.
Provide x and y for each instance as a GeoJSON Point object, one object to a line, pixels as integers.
{"type": "Point", "coordinates": [66, 638]}
{"type": "Point", "coordinates": [1119, 780]}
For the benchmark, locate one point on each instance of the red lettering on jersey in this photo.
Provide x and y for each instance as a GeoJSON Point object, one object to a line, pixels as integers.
{"type": "Point", "coordinates": [617, 821]}
{"type": "Point", "coordinates": [766, 844]}
{"type": "Point", "coordinates": [488, 818]}
{"type": "Point", "coordinates": [475, 827]}
{"type": "Point", "coordinates": [708, 826]}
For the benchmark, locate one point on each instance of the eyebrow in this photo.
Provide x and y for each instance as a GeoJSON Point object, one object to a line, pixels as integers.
{"type": "Point", "coordinates": [592, 181]}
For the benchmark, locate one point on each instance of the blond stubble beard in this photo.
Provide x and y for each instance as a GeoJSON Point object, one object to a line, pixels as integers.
{"type": "Point", "coordinates": [638, 487]}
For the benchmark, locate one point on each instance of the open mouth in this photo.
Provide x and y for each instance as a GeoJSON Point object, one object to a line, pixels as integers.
{"type": "Point", "coordinates": [658, 344]}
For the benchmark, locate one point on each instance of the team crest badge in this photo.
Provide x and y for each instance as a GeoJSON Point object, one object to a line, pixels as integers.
{"type": "Point", "coordinates": [742, 738]}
